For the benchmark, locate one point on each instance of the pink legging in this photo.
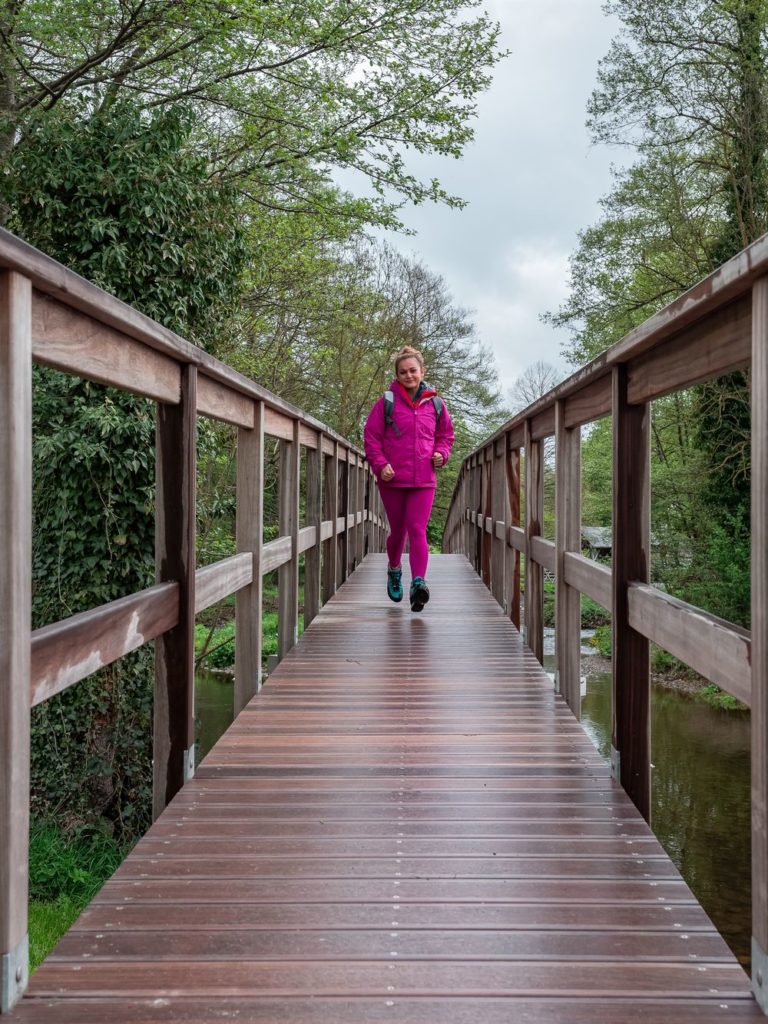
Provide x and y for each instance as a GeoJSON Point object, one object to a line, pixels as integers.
{"type": "Point", "coordinates": [408, 510]}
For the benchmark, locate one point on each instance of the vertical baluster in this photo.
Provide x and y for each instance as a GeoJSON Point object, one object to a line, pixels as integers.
{"type": "Point", "coordinates": [359, 511]}
{"type": "Point", "coordinates": [759, 484]}
{"type": "Point", "coordinates": [314, 517]}
{"type": "Point", "coordinates": [331, 512]}
{"type": "Point", "coordinates": [513, 555]}
{"type": "Point", "coordinates": [630, 756]}
{"type": "Point", "coordinates": [568, 538]}
{"type": "Point", "coordinates": [343, 515]}
{"type": "Point", "coordinates": [534, 515]}
{"type": "Point", "coordinates": [15, 627]}
{"type": "Point", "coordinates": [487, 511]}
{"type": "Point", "coordinates": [500, 515]}
{"type": "Point", "coordinates": [174, 708]}
{"type": "Point", "coordinates": [249, 531]}
{"type": "Point", "coordinates": [288, 573]}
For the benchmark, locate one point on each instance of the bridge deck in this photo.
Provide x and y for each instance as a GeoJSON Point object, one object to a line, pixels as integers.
{"type": "Point", "coordinates": [405, 826]}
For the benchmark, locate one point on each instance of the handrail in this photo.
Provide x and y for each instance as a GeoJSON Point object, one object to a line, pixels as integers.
{"type": "Point", "coordinates": [54, 317]}
{"type": "Point", "coordinates": [719, 325]}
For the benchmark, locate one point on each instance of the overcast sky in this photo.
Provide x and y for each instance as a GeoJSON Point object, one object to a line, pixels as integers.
{"type": "Point", "coordinates": [531, 177]}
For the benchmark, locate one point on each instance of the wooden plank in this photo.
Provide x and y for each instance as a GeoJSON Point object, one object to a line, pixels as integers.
{"type": "Point", "coordinates": [508, 873]}
{"type": "Point", "coordinates": [515, 535]}
{"type": "Point", "coordinates": [15, 626]}
{"type": "Point", "coordinates": [328, 445]}
{"type": "Point", "coordinates": [312, 533]}
{"type": "Point", "coordinates": [65, 652]}
{"type": "Point", "coordinates": [326, 529]}
{"type": "Point", "coordinates": [711, 646]}
{"type": "Point", "coordinates": [360, 479]}
{"type": "Point", "coordinates": [274, 554]}
{"type": "Point", "coordinates": [544, 553]}
{"type": "Point", "coordinates": [486, 523]}
{"type": "Point", "coordinates": [342, 533]}
{"type": "Point", "coordinates": [590, 578]}
{"type": "Point", "coordinates": [288, 577]}
{"type": "Point", "coordinates": [534, 516]}
{"type": "Point", "coordinates": [568, 538]}
{"type": "Point", "coordinates": [543, 424]}
{"type": "Point", "coordinates": [220, 579]}
{"type": "Point", "coordinates": [330, 511]}
{"type": "Point", "coordinates": [718, 345]}
{"type": "Point", "coordinates": [249, 536]}
{"type": "Point", "coordinates": [759, 718]}
{"type": "Point", "coordinates": [222, 403]}
{"type": "Point", "coordinates": [631, 678]}
{"type": "Point", "coordinates": [276, 424]}
{"type": "Point", "coordinates": [174, 716]}
{"type": "Point", "coordinates": [590, 403]}
{"type": "Point", "coordinates": [500, 513]}
{"type": "Point", "coordinates": [308, 437]}
{"type": "Point", "coordinates": [70, 341]}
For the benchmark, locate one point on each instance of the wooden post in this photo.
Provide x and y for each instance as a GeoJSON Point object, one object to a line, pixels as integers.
{"type": "Point", "coordinates": [534, 514]}
{"type": "Point", "coordinates": [499, 512]}
{"type": "Point", "coordinates": [249, 535]}
{"type": "Point", "coordinates": [15, 628]}
{"type": "Point", "coordinates": [343, 514]}
{"type": "Point", "coordinates": [331, 511]}
{"type": "Point", "coordinates": [568, 538]}
{"type": "Point", "coordinates": [486, 512]}
{"type": "Point", "coordinates": [288, 573]}
{"type": "Point", "coordinates": [314, 517]}
{"type": "Point", "coordinates": [759, 386]}
{"type": "Point", "coordinates": [477, 507]}
{"type": "Point", "coordinates": [173, 754]}
{"type": "Point", "coordinates": [631, 743]}
{"type": "Point", "coordinates": [359, 512]}
{"type": "Point", "coordinates": [513, 556]}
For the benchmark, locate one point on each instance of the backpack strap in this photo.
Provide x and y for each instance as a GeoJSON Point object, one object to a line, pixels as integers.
{"type": "Point", "coordinates": [389, 405]}
{"type": "Point", "coordinates": [438, 404]}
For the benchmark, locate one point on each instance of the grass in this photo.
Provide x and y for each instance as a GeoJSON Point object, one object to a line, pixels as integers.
{"type": "Point", "coordinates": [66, 870]}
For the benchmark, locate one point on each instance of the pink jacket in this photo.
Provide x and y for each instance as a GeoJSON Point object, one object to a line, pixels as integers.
{"type": "Point", "coordinates": [421, 434]}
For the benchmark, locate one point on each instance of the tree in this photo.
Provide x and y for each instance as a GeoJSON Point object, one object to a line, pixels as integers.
{"type": "Point", "coordinates": [286, 91]}
{"type": "Point", "coordinates": [535, 380]}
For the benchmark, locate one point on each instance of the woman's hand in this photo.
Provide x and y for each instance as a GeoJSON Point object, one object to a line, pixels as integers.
{"type": "Point", "coordinates": [387, 473]}
{"type": "Point", "coordinates": [437, 460]}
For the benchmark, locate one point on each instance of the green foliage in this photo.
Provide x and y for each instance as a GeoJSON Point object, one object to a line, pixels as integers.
{"type": "Point", "coordinates": [66, 870]}
{"type": "Point", "coordinates": [592, 613]}
{"type": "Point", "coordinates": [215, 647]}
{"type": "Point", "coordinates": [602, 641]}
{"type": "Point", "coordinates": [717, 698]}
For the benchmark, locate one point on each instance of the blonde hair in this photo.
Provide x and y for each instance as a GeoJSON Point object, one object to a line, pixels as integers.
{"type": "Point", "coordinates": [407, 352]}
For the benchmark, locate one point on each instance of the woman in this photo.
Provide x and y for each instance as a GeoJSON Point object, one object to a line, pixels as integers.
{"type": "Point", "coordinates": [408, 435]}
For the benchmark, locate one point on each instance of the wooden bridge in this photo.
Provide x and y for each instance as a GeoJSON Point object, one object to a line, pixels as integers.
{"type": "Point", "coordinates": [406, 823]}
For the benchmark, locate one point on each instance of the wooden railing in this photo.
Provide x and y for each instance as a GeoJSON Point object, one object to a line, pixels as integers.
{"type": "Point", "coordinates": [718, 326]}
{"type": "Point", "coordinates": [54, 317]}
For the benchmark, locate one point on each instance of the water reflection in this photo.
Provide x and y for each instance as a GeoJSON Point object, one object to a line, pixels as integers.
{"type": "Point", "coordinates": [214, 698]}
{"type": "Point", "coordinates": [701, 797]}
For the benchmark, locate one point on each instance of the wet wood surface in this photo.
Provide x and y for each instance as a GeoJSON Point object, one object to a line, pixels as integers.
{"type": "Point", "coordinates": [406, 825]}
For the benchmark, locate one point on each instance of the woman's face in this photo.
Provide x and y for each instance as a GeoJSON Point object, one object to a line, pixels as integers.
{"type": "Point", "coordinates": [410, 373]}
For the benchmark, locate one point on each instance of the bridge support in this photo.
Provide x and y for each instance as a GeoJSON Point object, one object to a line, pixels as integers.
{"type": "Point", "coordinates": [760, 642]}
{"type": "Point", "coordinates": [15, 627]}
{"type": "Point", "coordinates": [631, 739]}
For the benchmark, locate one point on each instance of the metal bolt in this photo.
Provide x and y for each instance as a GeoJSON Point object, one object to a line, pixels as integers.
{"type": "Point", "coordinates": [19, 975]}
{"type": "Point", "coordinates": [759, 977]}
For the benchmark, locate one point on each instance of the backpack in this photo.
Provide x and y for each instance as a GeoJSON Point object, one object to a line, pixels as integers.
{"type": "Point", "coordinates": [389, 405]}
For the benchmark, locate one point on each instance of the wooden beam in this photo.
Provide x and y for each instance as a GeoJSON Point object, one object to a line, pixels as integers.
{"type": "Point", "coordinates": [65, 652]}
{"type": "Point", "coordinates": [513, 559]}
{"type": "Point", "coordinates": [543, 424]}
{"type": "Point", "coordinates": [534, 515]}
{"type": "Point", "coordinates": [544, 553]}
{"type": "Point", "coordinates": [174, 713]}
{"type": "Point", "coordinates": [274, 554]}
{"type": "Point", "coordinates": [249, 534]}
{"type": "Point", "coordinates": [222, 403]}
{"type": "Point", "coordinates": [631, 753]}
{"type": "Point", "coordinates": [15, 626]}
{"type": "Point", "coordinates": [591, 403]}
{"type": "Point", "coordinates": [568, 538]}
{"type": "Point", "coordinates": [759, 485]}
{"type": "Point", "coordinates": [277, 424]}
{"type": "Point", "coordinates": [500, 513]}
{"type": "Point", "coordinates": [717, 345]}
{"type": "Point", "coordinates": [313, 517]}
{"type": "Point", "coordinates": [220, 579]}
{"type": "Point", "coordinates": [70, 341]}
{"type": "Point", "coordinates": [711, 646]}
{"type": "Point", "coordinates": [590, 578]}
{"type": "Point", "coordinates": [288, 576]}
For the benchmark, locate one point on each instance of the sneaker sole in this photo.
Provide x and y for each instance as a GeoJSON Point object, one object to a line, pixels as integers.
{"type": "Point", "coordinates": [420, 598]}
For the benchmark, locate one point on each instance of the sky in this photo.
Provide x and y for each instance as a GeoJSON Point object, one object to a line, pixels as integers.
{"type": "Point", "coordinates": [531, 177]}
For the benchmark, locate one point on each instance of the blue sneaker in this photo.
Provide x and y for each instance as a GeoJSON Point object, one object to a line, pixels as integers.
{"type": "Point", "coordinates": [419, 593]}
{"type": "Point", "coordinates": [394, 584]}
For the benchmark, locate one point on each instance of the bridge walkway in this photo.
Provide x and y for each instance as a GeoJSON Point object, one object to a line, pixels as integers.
{"type": "Point", "coordinates": [406, 825]}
